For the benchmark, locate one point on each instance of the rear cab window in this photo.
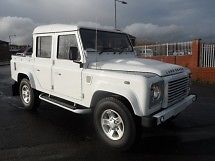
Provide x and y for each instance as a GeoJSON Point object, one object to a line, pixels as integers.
{"type": "Point", "coordinates": [44, 46]}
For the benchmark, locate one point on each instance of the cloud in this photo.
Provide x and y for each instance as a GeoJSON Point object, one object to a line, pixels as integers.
{"type": "Point", "coordinates": [23, 27]}
{"type": "Point", "coordinates": [178, 19]}
{"type": "Point", "coordinates": [19, 26]}
{"type": "Point", "coordinates": [152, 32]}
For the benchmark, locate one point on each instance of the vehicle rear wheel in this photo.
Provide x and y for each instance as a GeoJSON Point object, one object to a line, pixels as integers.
{"type": "Point", "coordinates": [28, 95]}
{"type": "Point", "coordinates": [114, 123]}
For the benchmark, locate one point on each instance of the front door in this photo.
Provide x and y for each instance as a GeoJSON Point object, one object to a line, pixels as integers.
{"type": "Point", "coordinates": [66, 74]}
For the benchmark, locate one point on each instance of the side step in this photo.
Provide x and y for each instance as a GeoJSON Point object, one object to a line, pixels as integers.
{"type": "Point", "coordinates": [63, 103]}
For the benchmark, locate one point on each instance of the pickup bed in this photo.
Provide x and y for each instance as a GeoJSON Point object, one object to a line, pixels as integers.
{"type": "Point", "coordinates": [84, 69]}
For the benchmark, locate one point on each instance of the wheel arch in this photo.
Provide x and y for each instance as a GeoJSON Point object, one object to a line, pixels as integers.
{"type": "Point", "coordinates": [28, 76]}
{"type": "Point", "coordinates": [21, 76]}
{"type": "Point", "coordinates": [126, 99]}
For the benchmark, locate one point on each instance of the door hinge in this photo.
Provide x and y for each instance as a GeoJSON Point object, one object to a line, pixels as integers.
{"type": "Point", "coordinates": [82, 95]}
{"type": "Point", "coordinates": [52, 87]}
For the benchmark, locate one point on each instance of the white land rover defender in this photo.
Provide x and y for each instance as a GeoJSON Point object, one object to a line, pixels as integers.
{"type": "Point", "coordinates": [79, 69]}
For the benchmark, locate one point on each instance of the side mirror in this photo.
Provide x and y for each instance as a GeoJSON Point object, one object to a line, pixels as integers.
{"type": "Point", "coordinates": [73, 53]}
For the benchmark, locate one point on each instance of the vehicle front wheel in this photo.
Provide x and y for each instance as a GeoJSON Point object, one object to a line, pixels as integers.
{"type": "Point", "coordinates": [28, 95]}
{"type": "Point", "coordinates": [114, 123]}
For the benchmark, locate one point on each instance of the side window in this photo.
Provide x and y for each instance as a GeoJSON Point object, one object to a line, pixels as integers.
{"type": "Point", "coordinates": [44, 44]}
{"type": "Point", "coordinates": [64, 44]}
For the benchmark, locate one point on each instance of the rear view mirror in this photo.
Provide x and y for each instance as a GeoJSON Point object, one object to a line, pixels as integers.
{"type": "Point", "coordinates": [73, 53]}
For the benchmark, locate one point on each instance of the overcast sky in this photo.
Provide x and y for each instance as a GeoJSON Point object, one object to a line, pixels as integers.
{"type": "Point", "coordinates": [152, 20]}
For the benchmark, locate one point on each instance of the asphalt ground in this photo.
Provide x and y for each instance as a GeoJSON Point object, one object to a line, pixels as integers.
{"type": "Point", "coordinates": [54, 134]}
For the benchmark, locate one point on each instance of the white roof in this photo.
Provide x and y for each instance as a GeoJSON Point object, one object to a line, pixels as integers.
{"type": "Point", "coordinates": [62, 28]}
{"type": "Point", "coordinates": [54, 28]}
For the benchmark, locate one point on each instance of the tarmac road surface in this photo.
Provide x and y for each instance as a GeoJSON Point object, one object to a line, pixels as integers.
{"type": "Point", "coordinates": [54, 134]}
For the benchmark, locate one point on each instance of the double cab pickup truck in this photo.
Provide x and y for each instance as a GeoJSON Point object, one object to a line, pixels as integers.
{"type": "Point", "coordinates": [85, 69]}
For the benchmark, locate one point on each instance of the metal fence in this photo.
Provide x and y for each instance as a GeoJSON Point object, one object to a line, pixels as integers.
{"type": "Point", "coordinates": [207, 55]}
{"type": "Point", "coordinates": [168, 49]}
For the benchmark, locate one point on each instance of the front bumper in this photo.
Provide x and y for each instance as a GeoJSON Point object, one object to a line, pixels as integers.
{"type": "Point", "coordinates": [165, 114]}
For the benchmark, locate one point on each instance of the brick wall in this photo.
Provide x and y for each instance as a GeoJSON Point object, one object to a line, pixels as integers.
{"type": "Point", "coordinates": [204, 74]}
{"type": "Point", "coordinates": [192, 62]}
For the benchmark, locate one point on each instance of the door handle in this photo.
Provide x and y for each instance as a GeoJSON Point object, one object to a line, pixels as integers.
{"type": "Point", "coordinates": [58, 74]}
{"type": "Point", "coordinates": [38, 70]}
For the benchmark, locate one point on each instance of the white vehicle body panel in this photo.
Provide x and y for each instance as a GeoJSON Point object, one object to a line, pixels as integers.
{"type": "Point", "coordinates": [42, 70]}
{"type": "Point", "coordinates": [138, 65]}
{"type": "Point", "coordinates": [67, 78]}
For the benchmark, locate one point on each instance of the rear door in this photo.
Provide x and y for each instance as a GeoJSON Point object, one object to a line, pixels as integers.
{"type": "Point", "coordinates": [66, 74]}
{"type": "Point", "coordinates": [43, 61]}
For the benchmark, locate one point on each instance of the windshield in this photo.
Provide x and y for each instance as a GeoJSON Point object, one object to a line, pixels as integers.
{"type": "Point", "coordinates": [106, 41]}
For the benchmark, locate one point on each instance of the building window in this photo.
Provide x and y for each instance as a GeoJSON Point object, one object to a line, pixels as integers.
{"type": "Point", "coordinates": [44, 44]}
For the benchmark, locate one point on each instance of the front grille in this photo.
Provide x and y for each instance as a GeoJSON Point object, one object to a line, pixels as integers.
{"type": "Point", "coordinates": [177, 90]}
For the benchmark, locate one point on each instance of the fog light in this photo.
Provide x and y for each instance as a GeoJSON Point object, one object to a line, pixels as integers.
{"type": "Point", "coordinates": [162, 119]}
{"type": "Point", "coordinates": [194, 98]}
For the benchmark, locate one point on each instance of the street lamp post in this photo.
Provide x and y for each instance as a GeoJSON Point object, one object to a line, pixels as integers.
{"type": "Point", "coordinates": [10, 38]}
{"type": "Point", "coordinates": [123, 2]}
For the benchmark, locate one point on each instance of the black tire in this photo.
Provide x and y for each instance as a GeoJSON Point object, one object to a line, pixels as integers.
{"type": "Point", "coordinates": [129, 135]}
{"type": "Point", "coordinates": [33, 102]}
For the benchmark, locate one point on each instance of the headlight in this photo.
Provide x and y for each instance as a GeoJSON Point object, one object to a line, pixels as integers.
{"type": "Point", "coordinates": [156, 93]}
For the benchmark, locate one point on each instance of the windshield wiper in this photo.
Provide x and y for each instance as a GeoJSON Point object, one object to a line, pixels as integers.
{"type": "Point", "coordinates": [122, 50]}
{"type": "Point", "coordinates": [101, 52]}
{"type": "Point", "coordinates": [106, 50]}
{"type": "Point", "coordinates": [91, 50]}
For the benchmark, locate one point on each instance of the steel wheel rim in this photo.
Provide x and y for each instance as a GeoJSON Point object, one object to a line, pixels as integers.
{"type": "Point", "coordinates": [26, 94]}
{"type": "Point", "coordinates": [112, 124]}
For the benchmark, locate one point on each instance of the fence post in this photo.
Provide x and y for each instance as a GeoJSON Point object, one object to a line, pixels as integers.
{"type": "Point", "coordinates": [145, 51]}
{"type": "Point", "coordinates": [196, 50]}
{"type": "Point", "coordinates": [167, 49]}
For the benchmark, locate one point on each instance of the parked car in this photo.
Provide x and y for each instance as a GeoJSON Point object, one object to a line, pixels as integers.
{"type": "Point", "coordinates": [80, 68]}
{"type": "Point", "coordinates": [144, 52]}
{"type": "Point", "coordinates": [181, 52]}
